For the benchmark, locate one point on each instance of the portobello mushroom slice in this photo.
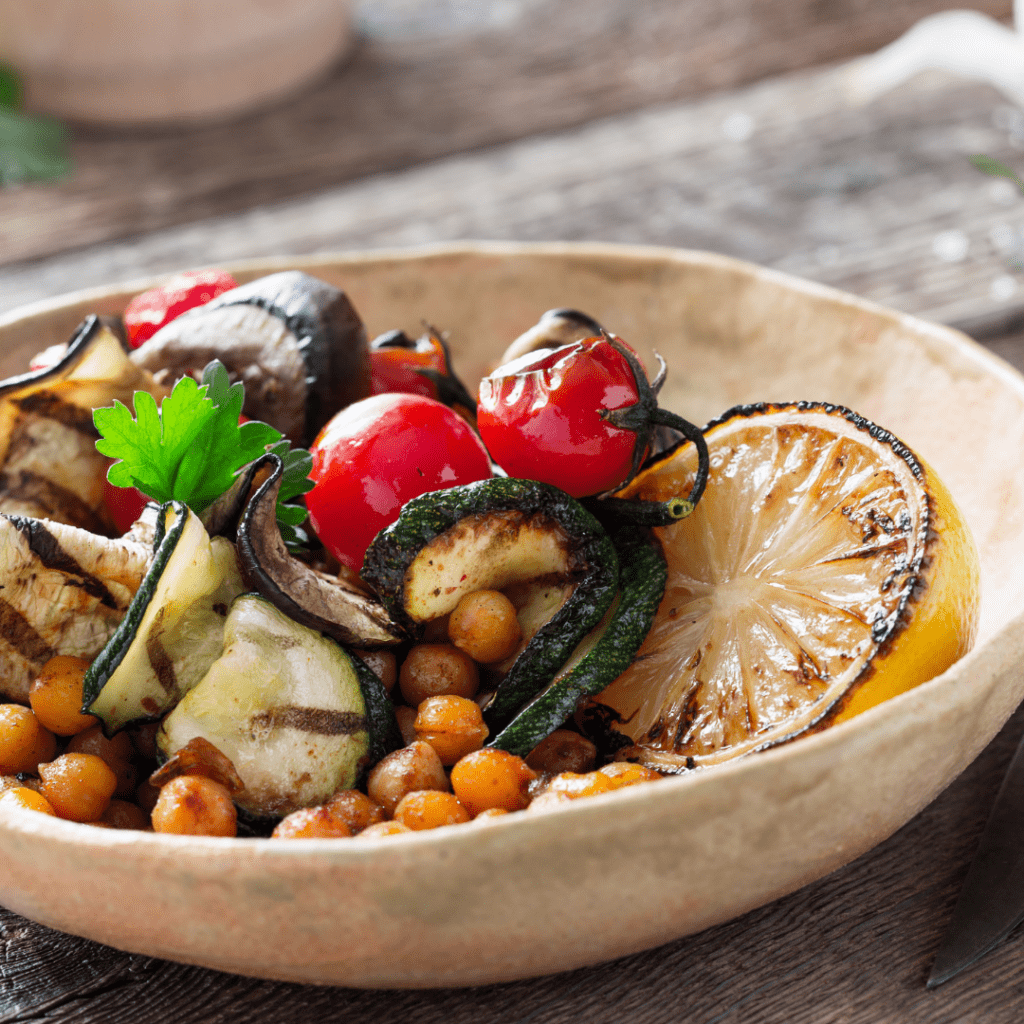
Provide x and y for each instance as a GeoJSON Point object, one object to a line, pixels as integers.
{"type": "Point", "coordinates": [172, 631]}
{"type": "Point", "coordinates": [498, 534]}
{"type": "Point", "coordinates": [328, 604]}
{"type": "Point", "coordinates": [298, 716]}
{"type": "Point", "coordinates": [555, 328]}
{"type": "Point", "coordinates": [62, 591]}
{"type": "Point", "coordinates": [295, 342]}
{"type": "Point", "coordinates": [49, 466]}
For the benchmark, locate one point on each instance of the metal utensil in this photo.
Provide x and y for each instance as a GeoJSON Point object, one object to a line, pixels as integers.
{"type": "Point", "coordinates": [991, 902]}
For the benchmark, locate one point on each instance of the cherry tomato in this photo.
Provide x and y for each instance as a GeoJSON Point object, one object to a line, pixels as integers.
{"type": "Point", "coordinates": [148, 312]}
{"type": "Point", "coordinates": [125, 504]}
{"type": "Point", "coordinates": [420, 367]}
{"type": "Point", "coordinates": [541, 416]}
{"type": "Point", "coordinates": [377, 454]}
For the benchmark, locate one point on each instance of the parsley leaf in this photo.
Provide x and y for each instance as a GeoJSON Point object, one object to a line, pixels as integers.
{"type": "Point", "coordinates": [192, 447]}
{"type": "Point", "coordinates": [989, 166]}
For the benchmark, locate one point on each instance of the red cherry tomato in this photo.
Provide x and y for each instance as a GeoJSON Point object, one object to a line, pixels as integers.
{"type": "Point", "coordinates": [125, 504]}
{"type": "Point", "coordinates": [148, 312]}
{"type": "Point", "coordinates": [540, 416]}
{"type": "Point", "coordinates": [397, 362]}
{"type": "Point", "coordinates": [377, 454]}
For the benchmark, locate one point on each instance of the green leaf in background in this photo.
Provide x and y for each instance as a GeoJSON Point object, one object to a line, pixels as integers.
{"type": "Point", "coordinates": [10, 88]}
{"type": "Point", "coordinates": [995, 168]}
{"type": "Point", "coordinates": [31, 148]}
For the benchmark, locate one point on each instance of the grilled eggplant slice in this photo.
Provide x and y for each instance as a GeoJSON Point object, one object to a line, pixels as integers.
{"type": "Point", "coordinates": [497, 534]}
{"type": "Point", "coordinates": [62, 591]}
{"type": "Point", "coordinates": [173, 630]}
{"type": "Point", "coordinates": [287, 706]}
{"type": "Point", "coordinates": [49, 466]}
{"type": "Point", "coordinates": [555, 328]}
{"type": "Point", "coordinates": [295, 341]}
{"type": "Point", "coordinates": [325, 603]}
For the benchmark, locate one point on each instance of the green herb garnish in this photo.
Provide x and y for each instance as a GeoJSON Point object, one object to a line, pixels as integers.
{"type": "Point", "coordinates": [31, 148]}
{"type": "Point", "coordinates": [996, 169]}
{"type": "Point", "coordinates": [192, 447]}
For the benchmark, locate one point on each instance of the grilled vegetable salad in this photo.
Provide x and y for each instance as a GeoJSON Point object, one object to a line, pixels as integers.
{"type": "Point", "coordinates": [395, 629]}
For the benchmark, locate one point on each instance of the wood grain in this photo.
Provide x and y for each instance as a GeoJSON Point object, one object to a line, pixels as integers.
{"type": "Point", "coordinates": [399, 102]}
{"type": "Point", "coordinates": [855, 948]}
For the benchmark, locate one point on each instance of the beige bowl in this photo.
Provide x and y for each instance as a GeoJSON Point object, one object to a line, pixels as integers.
{"type": "Point", "coordinates": [159, 61]}
{"type": "Point", "coordinates": [532, 894]}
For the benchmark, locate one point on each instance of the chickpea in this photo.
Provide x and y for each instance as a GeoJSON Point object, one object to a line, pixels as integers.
{"type": "Point", "coordinates": [26, 799]}
{"type": "Point", "coordinates": [548, 801]}
{"type": "Point", "coordinates": [193, 805]}
{"type": "Point", "coordinates": [24, 742]}
{"type": "Point", "coordinates": [143, 737]}
{"type": "Point", "coordinates": [415, 767]}
{"type": "Point", "coordinates": [122, 814]}
{"type": "Point", "coordinates": [406, 718]}
{"type": "Point", "coordinates": [453, 726]}
{"type": "Point", "coordinates": [383, 828]}
{"type": "Point", "coordinates": [119, 754]}
{"type": "Point", "coordinates": [383, 664]}
{"type": "Point", "coordinates": [624, 773]}
{"type": "Point", "coordinates": [356, 809]}
{"type": "Point", "coordinates": [563, 751]}
{"type": "Point", "coordinates": [492, 779]}
{"type": "Point", "coordinates": [146, 795]}
{"type": "Point", "coordinates": [490, 814]}
{"type": "Point", "coordinates": [484, 625]}
{"type": "Point", "coordinates": [430, 809]}
{"type": "Point", "coordinates": [78, 786]}
{"type": "Point", "coordinates": [312, 823]}
{"type": "Point", "coordinates": [56, 696]}
{"type": "Point", "coordinates": [434, 670]}
{"type": "Point", "coordinates": [576, 786]}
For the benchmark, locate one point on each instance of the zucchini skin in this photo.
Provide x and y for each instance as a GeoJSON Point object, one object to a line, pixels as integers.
{"type": "Point", "coordinates": [165, 543]}
{"type": "Point", "coordinates": [382, 725]}
{"type": "Point", "coordinates": [426, 517]}
{"type": "Point", "coordinates": [643, 576]}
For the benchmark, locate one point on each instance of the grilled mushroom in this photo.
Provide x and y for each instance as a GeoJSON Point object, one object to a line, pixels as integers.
{"type": "Point", "coordinates": [295, 341]}
{"type": "Point", "coordinates": [555, 328]}
{"type": "Point", "coordinates": [327, 604]}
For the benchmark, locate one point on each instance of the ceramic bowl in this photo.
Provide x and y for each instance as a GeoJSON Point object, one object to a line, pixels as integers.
{"type": "Point", "coordinates": [122, 62]}
{"type": "Point", "coordinates": [607, 876]}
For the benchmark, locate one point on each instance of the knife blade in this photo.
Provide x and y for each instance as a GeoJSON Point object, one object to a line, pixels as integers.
{"type": "Point", "coordinates": [991, 902]}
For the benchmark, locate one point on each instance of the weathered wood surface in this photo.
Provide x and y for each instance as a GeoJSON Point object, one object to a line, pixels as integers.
{"type": "Point", "coordinates": [880, 200]}
{"type": "Point", "coordinates": [399, 101]}
{"type": "Point", "coordinates": [855, 948]}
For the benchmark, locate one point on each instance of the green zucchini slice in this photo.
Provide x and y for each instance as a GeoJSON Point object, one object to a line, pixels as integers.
{"type": "Point", "coordinates": [606, 652]}
{"type": "Point", "coordinates": [493, 535]}
{"type": "Point", "coordinates": [173, 629]}
{"type": "Point", "coordinates": [286, 705]}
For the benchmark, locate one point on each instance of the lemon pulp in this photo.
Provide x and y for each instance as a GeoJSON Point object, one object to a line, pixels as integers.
{"type": "Point", "coordinates": [825, 569]}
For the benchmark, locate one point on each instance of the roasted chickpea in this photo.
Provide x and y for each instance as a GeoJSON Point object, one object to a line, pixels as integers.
{"type": "Point", "coordinates": [484, 625]}
{"type": "Point", "coordinates": [490, 814]}
{"type": "Point", "coordinates": [430, 809]}
{"type": "Point", "coordinates": [563, 751]}
{"type": "Point", "coordinates": [119, 754]}
{"type": "Point", "coordinates": [56, 696]}
{"type": "Point", "coordinates": [193, 805]}
{"type": "Point", "coordinates": [453, 726]}
{"type": "Point", "coordinates": [78, 786]}
{"type": "Point", "coordinates": [312, 823]}
{"type": "Point", "coordinates": [406, 718]}
{"type": "Point", "coordinates": [24, 741]}
{"type": "Point", "coordinates": [488, 779]}
{"type": "Point", "coordinates": [576, 786]}
{"type": "Point", "coordinates": [383, 828]}
{"type": "Point", "coordinates": [624, 773]}
{"type": "Point", "coordinates": [25, 799]}
{"type": "Point", "coordinates": [383, 664]}
{"type": "Point", "coordinates": [122, 814]}
{"type": "Point", "coordinates": [433, 670]}
{"type": "Point", "coordinates": [415, 767]}
{"type": "Point", "coordinates": [356, 809]}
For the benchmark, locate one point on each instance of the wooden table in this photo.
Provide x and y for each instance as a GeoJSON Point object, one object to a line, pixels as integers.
{"type": "Point", "coordinates": [724, 127]}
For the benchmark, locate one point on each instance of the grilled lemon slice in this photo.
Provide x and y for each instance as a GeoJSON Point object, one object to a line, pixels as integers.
{"type": "Point", "coordinates": [826, 569]}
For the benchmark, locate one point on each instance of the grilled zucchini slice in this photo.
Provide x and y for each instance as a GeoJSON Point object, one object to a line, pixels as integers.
{"type": "Point", "coordinates": [174, 628]}
{"type": "Point", "coordinates": [297, 715]}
